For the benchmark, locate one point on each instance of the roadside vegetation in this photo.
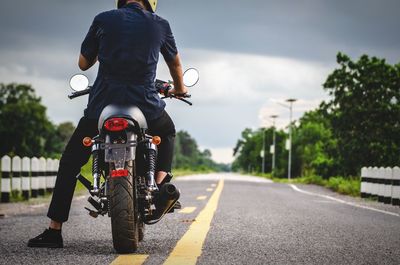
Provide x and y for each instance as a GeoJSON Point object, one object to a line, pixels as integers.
{"type": "Point", "coordinates": [189, 158]}
{"type": "Point", "coordinates": [359, 126]}
{"type": "Point", "coordinates": [25, 129]}
{"type": "Point", "coordinates": [347, 186]}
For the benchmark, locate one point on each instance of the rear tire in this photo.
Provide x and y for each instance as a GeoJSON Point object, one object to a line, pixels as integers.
{"type": "Point", "coordinates": [124, 213]}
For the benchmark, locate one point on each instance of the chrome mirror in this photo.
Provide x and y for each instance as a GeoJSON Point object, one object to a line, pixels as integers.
{"type": "Point", "coordinates": [190, 77]}
{"type": "Point", "coordinates": [79, 82]}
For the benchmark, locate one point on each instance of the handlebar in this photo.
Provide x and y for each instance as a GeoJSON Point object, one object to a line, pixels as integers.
{"type": "Point", "coordinates": [79, 93]}
{"type": "Point", "coordinates": [162, 87]}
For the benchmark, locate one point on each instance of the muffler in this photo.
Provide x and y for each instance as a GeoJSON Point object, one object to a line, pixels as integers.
{"type": "Point", "coordinates": [167, 198]}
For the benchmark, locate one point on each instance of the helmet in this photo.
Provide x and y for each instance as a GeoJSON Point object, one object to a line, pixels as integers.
{"type": "Point", "coordinates": [151, 4]}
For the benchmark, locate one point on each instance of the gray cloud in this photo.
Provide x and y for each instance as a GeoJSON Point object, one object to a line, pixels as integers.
{"type": "Point", "coordinates": [305, 29]}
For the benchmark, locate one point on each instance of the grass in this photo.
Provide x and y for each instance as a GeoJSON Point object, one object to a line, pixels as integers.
{"type": "Point", "coordinates": [345, 186]}
{"type": "Point", "coordinates": [178, 172]}
{"type": "Point", "coordinates": [348, 186]}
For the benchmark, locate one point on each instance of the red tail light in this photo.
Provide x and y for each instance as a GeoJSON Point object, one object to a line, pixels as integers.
{"type": "Point", "coordinates": [116, 124]}
{"type": "Point", "coordinates": [119, 173]}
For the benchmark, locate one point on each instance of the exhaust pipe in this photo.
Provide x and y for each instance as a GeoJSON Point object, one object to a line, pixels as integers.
{"type": "Point", "coordinates": [168, 196]}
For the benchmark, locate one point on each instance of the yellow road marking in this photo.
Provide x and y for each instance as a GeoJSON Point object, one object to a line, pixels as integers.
{"type": "Point", "coordinates": [189, 247]}
{"type": "Point", "coordinates": [210, 189]}
{"type": "Point", "coordinates": [201, 198]}
{"type": "Point", "coordinates": [130, 260]}
{"type": "Point", "coordinates": [188, 210]}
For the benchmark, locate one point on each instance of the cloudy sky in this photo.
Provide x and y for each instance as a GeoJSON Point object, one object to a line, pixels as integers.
{"type": "Point", "coordinates": [250, 54]}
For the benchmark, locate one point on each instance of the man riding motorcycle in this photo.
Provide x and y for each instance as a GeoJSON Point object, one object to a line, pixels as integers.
{"type": "Point", "coordinates": [126, 42]}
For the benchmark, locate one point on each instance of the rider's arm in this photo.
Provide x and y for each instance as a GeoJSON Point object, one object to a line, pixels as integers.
{"type": "Point", "coordinates": [175, 69]}
{"type": "Point", "coordinates": [90, 47]}
{"type": "Point", "coordinates": [84, 64]}
{"type": "Point", "coordinates": [171, 57]}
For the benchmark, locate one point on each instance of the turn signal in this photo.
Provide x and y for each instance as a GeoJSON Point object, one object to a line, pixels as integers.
{"type": "Point", "coordinates": [87, 141]}
{"type": "Point", "coordinates": [156, 140]}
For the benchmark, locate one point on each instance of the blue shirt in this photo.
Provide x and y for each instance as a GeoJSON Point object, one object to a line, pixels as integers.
{"type": "Point", "coordinates": [128, 42]}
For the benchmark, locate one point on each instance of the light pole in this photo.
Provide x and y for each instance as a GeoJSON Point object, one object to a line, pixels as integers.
{"type": "Point", "coordinates": [291, 101]}
{"type": "Point", "coordinates": [249, 135]}
{"type": "Point", "coordinates": [290, 107]}
{"type": "Point", "coordinates": [273, 117]}
{"type": "Point", "coordinates": [263, 152]}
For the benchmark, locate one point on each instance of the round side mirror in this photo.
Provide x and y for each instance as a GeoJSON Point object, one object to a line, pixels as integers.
{"type": "Point", "coordinates": [79, 82]}
{"type": "Point", "coordinates": [190, 77]}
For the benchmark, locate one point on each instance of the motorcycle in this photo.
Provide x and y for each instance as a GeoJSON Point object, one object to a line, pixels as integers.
{"type": "Point", "coordinates": [124, 161]}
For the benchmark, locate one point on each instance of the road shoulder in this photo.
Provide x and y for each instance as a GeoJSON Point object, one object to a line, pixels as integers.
{"type": "Point", "coordinates": [354, 200]}
{"type": "Point", "coordinates": [31, 206]}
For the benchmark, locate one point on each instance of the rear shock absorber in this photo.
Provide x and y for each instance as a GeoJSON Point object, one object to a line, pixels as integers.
{"type": "Point", "coordinates": [96, 168]}
{"type": "Point", "coordinates": [150, 165]}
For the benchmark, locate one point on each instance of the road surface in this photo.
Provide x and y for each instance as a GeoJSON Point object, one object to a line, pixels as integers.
{"type": "Point", "coordinates": [226, 219]}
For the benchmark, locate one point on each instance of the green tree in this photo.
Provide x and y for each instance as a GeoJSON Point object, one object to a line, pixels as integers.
{"type": "Point", "coordinates": [24, 127]}
{"type": "Point", "coordinates": [365, 112]}
{"type": "Point", "coordinates": [188, 156]}
{"type": "Point", "coordinates": [64, 132]}
{"type": "Point", "coordinates": [58, 138]}
{"type": "Point", "coordinates": [314, 146]}
{"type": "Point", "coordinates": [186, 151]}
{"type": "Point", "coordinates": [248, 149]}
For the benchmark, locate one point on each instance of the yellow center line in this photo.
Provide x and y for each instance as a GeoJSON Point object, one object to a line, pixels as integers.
{"type": "Point", "coordinates": [210, 189]}
{"type": "Point", "coordinates": [188, 210]}
{"type": "Point", "coordinates": [131, 259]}
{"type": "Point", "coordinates": [189, 247]}
{"type": "Point", "coordinates": [201, 198]}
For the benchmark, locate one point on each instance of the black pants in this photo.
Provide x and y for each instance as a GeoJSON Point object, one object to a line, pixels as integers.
{"type": "Point", "coordinates": [76, 155]}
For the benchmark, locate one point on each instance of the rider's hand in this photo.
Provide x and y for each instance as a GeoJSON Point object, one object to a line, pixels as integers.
{"type": "Point", "coordinates": [175, 91]}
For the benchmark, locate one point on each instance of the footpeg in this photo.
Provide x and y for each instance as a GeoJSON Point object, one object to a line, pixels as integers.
{"type": "Point", "coordinates": [95, 204]}
{"type": "Point", "coordinates": [92, 213]}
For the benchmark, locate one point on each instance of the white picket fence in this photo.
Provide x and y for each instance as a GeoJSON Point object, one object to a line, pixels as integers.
{"type": "Point", "coordinates": [381, 183]}
{"type": "Point", "coordinates": [31, 177]}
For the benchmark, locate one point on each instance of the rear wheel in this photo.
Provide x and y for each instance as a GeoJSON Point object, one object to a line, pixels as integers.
{"type": "Point", "coordinates": [124, 212]}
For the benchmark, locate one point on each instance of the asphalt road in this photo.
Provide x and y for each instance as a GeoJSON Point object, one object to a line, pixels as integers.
{"type": "Point", "coordinates": [237, 220]}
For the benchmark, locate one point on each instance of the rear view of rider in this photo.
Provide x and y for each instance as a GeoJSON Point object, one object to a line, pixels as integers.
{"type": "Point", "coordinates": [127, 43]}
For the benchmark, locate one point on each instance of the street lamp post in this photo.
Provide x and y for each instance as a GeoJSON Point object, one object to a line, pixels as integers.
{"type": "Point", "coordinates": [249, 135]}
{"type": "Point", "coordinates": [291, 101]}
{"type": "Point", "coordinates": [273, 117]}
{"type": "Point", "coordinates": [290, 107]}
{"type": "Point", "coordinates": [263, 152]}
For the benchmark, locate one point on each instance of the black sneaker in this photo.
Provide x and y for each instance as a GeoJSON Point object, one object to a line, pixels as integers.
{"type": "Point", "coordinates": [48, 239]}
{"type": "Point", "coordinates": [177, 205]}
